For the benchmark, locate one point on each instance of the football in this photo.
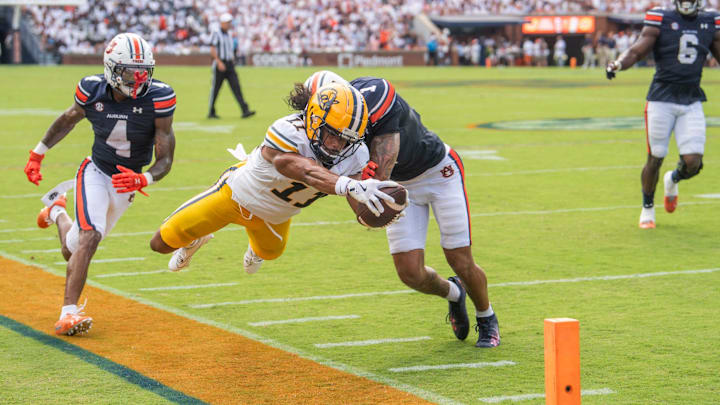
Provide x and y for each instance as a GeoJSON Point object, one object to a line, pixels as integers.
{"type": "Point", "coordinates": [365, 217]}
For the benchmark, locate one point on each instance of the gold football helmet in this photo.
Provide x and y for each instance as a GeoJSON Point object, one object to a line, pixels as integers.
{"type": "Point", "coordinates": [335, 110]}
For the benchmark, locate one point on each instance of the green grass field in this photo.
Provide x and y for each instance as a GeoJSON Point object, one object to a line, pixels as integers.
{"type": "Point", "coordinates": [549, 203]}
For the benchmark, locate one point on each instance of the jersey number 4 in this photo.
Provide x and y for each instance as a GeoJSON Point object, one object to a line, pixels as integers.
{"type": "Point", "coordinates": [118, 139]}
{"type": "Point", "coordinates": [687, 54]}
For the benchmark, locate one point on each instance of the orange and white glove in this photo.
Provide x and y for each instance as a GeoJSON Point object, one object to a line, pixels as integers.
{"type": "Point", "coordinates": [369, 171]}
{"type": "Point", "coordinates": [32, 168]}
{"type": "Point", "coordinates": [128, 181]}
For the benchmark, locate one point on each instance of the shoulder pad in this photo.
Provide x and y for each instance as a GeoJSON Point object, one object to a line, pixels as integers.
{"type": "Point", "coordinates": [87, 88]}
{"type": "Point", "coordinates": [286, 134]}
{"type": "Point", "coordinates": [163, 97]}
{"type": "Point", "coordinates": [654, 16]}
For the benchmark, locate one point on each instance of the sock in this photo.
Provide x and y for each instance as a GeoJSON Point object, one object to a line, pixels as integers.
{"type": "Point", "coordinates": [648, 200]}
{"type": "Point", "coordinates": [485, 313]}
{"type": "Point", "coordinates": [453, 293]}
{"type": "Point", "coordinates": [675, 176]}
{"type": "Point", "coordinates": [55, 211]}
{"type": "Point", "coordinates": [68, 309]}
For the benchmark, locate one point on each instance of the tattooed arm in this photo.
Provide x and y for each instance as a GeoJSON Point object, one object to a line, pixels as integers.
{"type": "Point", "coordinates": [384, 151]}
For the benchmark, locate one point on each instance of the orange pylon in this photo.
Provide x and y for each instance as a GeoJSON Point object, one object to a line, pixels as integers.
{"type": "Point", "coordinates": [562, 361]}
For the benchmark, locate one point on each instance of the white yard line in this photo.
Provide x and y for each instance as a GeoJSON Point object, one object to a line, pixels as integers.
{"type": "Point", "coordinates": [119, 259]}
{"type": "Point", "coordinates": [325, 223]}
{"type": "Point", "coordinates": [58, 250]}
{"type": "Point", "coordinates": [525, 397]}
{"type": "Point", "coordinates": [135, 273]}
{"type": "Point", "coordinates": [296, 299]}
{"type": "Point", "coordinates": [561, 170]}
{"type": "Point", "coordinates": [714, 196]}
{"type": "Point", "coordinates": [481, 364]}
{"type": "Point", "coordinates": [506, 284]}
{"type": "Point", "coordinates": [303, 320]}
{"type": "Point", "coordinates": [371, 342]}
{"type": "Point", "coordinates": [188, 287]}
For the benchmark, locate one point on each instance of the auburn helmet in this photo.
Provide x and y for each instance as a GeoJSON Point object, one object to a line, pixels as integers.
{"type": "Point", "coordinates": [129, 64]}
{"type": "Point", "coordinates": [321, 78]}
{"type": "Point", "coordinates": [687, 7]}
{"type": "Point", "coordinates": [335, 109]}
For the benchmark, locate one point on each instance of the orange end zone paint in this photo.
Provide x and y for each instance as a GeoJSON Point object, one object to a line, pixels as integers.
{"type": "Point", "coordinates": [562, 361]}
{"type": "Point", "coordinates": [200, 360]}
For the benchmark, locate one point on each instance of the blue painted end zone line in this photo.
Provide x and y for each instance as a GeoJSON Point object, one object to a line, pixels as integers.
{"type": "Point", "coordinates": [121, 371]}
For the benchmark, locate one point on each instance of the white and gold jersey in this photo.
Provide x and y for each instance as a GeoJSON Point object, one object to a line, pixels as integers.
{"type": "Point", "coordinates": [258, 187]}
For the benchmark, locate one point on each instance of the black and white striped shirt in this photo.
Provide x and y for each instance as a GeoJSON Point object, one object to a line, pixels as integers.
{"type": "Point", "coordinates": [223, 43]}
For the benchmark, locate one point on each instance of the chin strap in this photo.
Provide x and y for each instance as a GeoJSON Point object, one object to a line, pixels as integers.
{"type": "Point", "coordinates": [139, 80]}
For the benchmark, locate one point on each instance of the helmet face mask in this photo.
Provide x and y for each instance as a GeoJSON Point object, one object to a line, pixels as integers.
{"type": "Point", "coordinates": [687, 7]}
{"type": "Point", "coordinates": [129, 64]}
{"type": "Point", "coordinates": [335, 122]}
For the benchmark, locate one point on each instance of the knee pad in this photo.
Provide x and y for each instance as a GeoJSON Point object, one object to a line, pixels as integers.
{"type": "Point", "coordinates": [684, 171]}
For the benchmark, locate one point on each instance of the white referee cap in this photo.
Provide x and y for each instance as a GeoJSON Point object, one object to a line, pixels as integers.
{"type": "Point", "coordinates": [226, 17]}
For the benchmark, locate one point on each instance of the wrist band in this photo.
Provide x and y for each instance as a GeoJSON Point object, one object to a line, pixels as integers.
{"type": "Point", "coordinates": [149, 177]}
{"type": "Point", "coordinates": [341, 185]}
{"type": "Point", "coordinates": [40, 149]}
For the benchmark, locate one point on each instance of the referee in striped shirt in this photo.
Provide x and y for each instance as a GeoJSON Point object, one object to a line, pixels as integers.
{"type": "Point", "coordinates": [222, 50]}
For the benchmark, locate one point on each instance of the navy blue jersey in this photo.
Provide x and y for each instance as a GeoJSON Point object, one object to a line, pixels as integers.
{"type": "Point", "coordinates": [680, 53]}
{"type": "Point", "coordinates": [420, 148]}
{"type": "Point", "coordinates": [124, 131]}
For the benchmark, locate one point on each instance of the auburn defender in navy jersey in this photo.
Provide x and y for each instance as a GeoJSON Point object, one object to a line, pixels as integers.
{"type": "Point", "coordinates": [680, 39]}
{"type": "Point", "coordinates": [131, 114]}
{"type": "Point", "coordinates": [403, 150]}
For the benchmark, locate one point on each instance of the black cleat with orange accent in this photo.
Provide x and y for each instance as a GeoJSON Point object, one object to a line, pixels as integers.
{"type": "Point", "coordinates": [457, 313]}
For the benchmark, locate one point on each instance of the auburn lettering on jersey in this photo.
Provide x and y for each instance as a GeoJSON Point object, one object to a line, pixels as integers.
{"type": "Point", "coordinates": [680, 53]}
{"type": "Point", "coordinates": [124, 131]}
{"type": "Point", "coordinates": [420, 148]}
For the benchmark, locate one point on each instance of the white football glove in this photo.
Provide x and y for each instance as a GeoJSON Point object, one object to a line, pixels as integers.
{"type": "Point", "coordinates": [366, 192]}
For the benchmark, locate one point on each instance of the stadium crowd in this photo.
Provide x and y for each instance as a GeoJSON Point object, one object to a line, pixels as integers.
{"type": "Point", "coordinates": [183, 26]}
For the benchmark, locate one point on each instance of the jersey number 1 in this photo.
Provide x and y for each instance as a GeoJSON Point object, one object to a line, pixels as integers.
{"type": "Point", "coordinates": [688, 51]}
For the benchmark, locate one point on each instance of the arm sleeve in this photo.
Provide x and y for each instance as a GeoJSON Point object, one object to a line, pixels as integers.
{"type": "Point", "coordinates": [164, 100]}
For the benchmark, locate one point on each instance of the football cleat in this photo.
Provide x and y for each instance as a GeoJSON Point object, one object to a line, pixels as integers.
{"type": "Point", "coordinates": [489, 331]}
{"type": "Point", "coordinates": [671, 192]}
{"type": "Point", "coordinates": [251, 261]}
{"type": "Point", "coordinates": [457, 313]}
{"type": "Point", "coordinates": [181, 257]}
{"type": "Point", "coordinates": [43, 218]}
{"type": "Point", "coordinates": [74, 323]}
{"type": "Point", "coordinates": [647, 218]}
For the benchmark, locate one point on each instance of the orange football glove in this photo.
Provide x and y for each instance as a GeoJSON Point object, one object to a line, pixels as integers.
{"type": "Point", "coordinates": [32, 168]}
{"type": "Point", "coordinates": [128, 181]}
{"type": "Point", "coordinates": [369, 171]}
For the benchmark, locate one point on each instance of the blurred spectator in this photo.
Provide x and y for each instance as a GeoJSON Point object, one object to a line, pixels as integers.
{"type": "Point", "coordinates": [432, 47]}
{"type": "Point", "coordinates": [588, 50]}
{"type": "Point", "coordinates": [559, 55]}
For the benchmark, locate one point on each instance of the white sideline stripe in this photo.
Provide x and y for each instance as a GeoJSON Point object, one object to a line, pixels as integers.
{"type": "Point", "coordinates": [507, 284]}
{"type": "Point", "coordinates": [188, 287]}
{"type": "Point", "coordinates": [136, 273]}
{"type": "Point", "coordinates": [429, 395]}
{"type": "Point", "coordinates": [525, 397]}
{"type": "Point", "coordinates": [119, 259]}
{"type": "Point", "coordinates": [30, 111]}
{"type": "Point", "coordinates": [296, 299]}
{"type": "Point", "coordinates": [449, 366]}
{"type": "Point", "coordinates": [371, 342]}
{"type": "Point", "coordinates": [321, 223]}
{"type": "Point", "coordinates": [568, 210]}
{"type": "Point", "coordinates": [58, 250]}
{"type": "Point", "coordinates": [708, 195]}
{"type": "Point", "coordinates": [542, 171]}
{"type": "Point", "coordinates": [302, 320]}
{"type": "Point", "coordinates": [605, 278]}
{"type": "Point", "coordinates": [36, 195]}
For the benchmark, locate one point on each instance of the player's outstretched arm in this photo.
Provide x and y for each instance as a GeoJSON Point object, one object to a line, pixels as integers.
{"type": "Point", "coordinates": [636, 52]}
{"type": "Point", "coordinates": [57, 131]}
{"type": "Point", "coordinates": [298, 167]}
